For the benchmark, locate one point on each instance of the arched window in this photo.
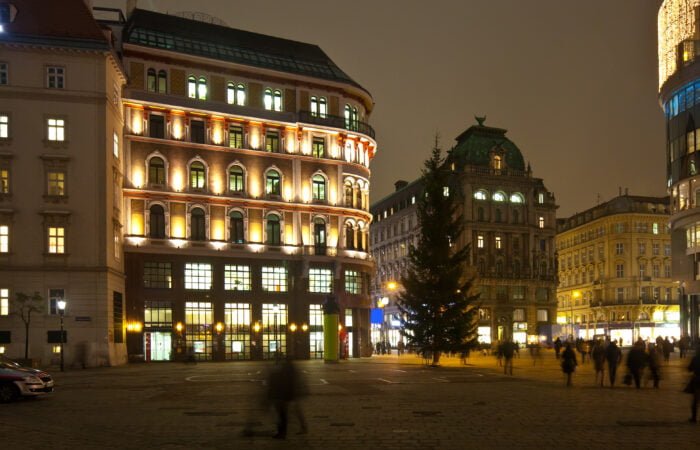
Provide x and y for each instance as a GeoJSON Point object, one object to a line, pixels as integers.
{"type": "Point", "coordinates": [351, 120]}
{"type": "Point", "coordinates": [191, 87]}
{"type": "Point", "coordinates": [151, 80]}
{"type": "Point", "coordinates": [156, 222]}
{"type": "Point", "coordinates": [348, 193]}
{"type": "Point", "coordinates": [236, 180]}
{"type": "Point", "coordinates": [480, 214]}
{"type": "Point", "coordinates": [230, 93]}
{"type": "Point", "coordinates": [318, 106]}
{"type": "Point", "coordinates": [318, 188]}
{"type": "Point", "coordinates": [156, 171]}
{"type": "Point", "coordinates": [235, 94]}
{"type": "Point", "coordinates": [240, 94]}
{"type": "Point", "coordinates": [272, 183]}
{"type": "Point", "coordinates": [202, 88]}
{"type": "Point", "coordinates": [349, 236]}
{"type": "Point", "coordinates": [237, 230]}
{"type": "Point", "coordinates": [320, 236]}
{"type": "Point", "coordinates": [272, 100]}
{"type": "Point", "coordinates": [497, 162]}
{"type": "Point", "coordinates": [197, 175]}
{"type": "Point", "coordinates": [499, 197]}
{"type": "Point", "coordinates": [162, 82]}
{"type": "Point", "coordinates": [272, 230]}
{"type": "Point", "coordinates": [197, 228]}
{"type": "Point", "coordinates": [517, 198]}
{"type": "Point", "coordinates": [481, 194]}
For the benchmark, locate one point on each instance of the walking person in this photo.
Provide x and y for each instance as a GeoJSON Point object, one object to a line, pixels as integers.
{"type": "Point", "coordinates": [286, 386]}
{"type": "Point", "coordinates": [557, 347]}
{"type": "Point", "coordinates": [508, 353]}
{"type": "Point", "coordinates": [636, 361]}
{"type": "Point", "coordinates": [694, 385]}
{"type": "Point", "coordinates": [568, 363]}
{"type": "Point", "coordinates": [598, 357]}
{"type": "Point", "coordinates": [654, 361]}
{"type": "Point", "coordinates": [667, 348]}
{"type": "Point", "coordinates": [613, 355]}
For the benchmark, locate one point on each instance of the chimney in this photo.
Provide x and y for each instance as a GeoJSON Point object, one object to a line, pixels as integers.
{"type": "Point", "coordinates": [400, 184]}
{"type": "Point", "coordinates": [619, 191]}
{"type": "Point", "coordinates": [130, 7]}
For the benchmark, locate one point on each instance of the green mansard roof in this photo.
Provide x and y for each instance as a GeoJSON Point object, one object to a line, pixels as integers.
{"type": "Point", "coordinates": [474, 145]}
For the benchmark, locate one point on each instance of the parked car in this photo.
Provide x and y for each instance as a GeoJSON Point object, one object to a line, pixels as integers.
{"type": "Point", "coordinates": [19, 381]}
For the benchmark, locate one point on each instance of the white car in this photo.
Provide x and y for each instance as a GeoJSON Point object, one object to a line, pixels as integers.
{"type": "Point", "coordinates": [18, 381]}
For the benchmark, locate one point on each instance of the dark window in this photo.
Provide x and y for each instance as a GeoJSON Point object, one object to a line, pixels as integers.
{"type": "Point", "coordinates": [197, 131]}
{"type": "Point", "coordinates": [235, 137]}
{"type": "Point", "coordinates": [480, 214]}
{"type": "Point", "coordinates": [5, 337]}
{"type": "Point", "coordinates": [198, 232]}
{"type": "Point", "coordinates": [156, 126]}
{"type": "Point", "coordinates": [157, 222]}
{"type": "Point", "coordinates": [118, 318]}
{"type": "Point", "coordinates": [272, 142]}
{"type": "Point", "coordinates": [272, 183]}
{"type": "Point", "coordinates": [237, 227]}
{"type": "Point", "coordinates": [162, 81]}
{"type": "Point", "coordinates": [157, 275]}
{"type": "Point", "coordinates": [349, 237]}
{"type": "Point", "coordinates": [156, 171]}
{"type": "Point", "coordinates": [320, 236]}
{"type": "Point", "coordinates": [498, 215]}
{"type": "Point", "coordinates": [54, 337]}
{"type": "Point", "coordinates": [273, 230]}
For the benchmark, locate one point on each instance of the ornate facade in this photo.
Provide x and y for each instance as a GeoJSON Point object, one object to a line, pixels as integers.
{"type": "Point", "coordinates": [510, 225]}
{"type": "Point", "coordinates": [615, 271]}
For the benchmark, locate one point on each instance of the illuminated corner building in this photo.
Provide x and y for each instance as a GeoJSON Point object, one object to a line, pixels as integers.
{"type": "Point", "coordinates": [60, 173]}
{"type": "Point", "coordinates": [246, 192]}
{"type": "Point", "coordinates": [510, 224]}
{"type": "Point", "coordinates": [679, 94]}
{"type": "Point", "coordinates": [615, 271]}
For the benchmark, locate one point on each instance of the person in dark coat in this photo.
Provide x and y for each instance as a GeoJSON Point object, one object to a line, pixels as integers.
{"type": "Point", "coordinates": [667, 348]}
{"type": "Point", "coordinates": [508, 351]}
{"type": "Point", "coordinates": [694, 385]}
{"type": "Point", "coordinates": [568, 363]}
{"type": "Point", "coordinates": [286, 385]}
{"type": "Point", "coordinates": [636, 361]}
{"type": "Point", "coordinates": [598, 357]}
{"type": "Point", "coordinates": [654, 361]}
{"type": "Point", "coordinates": [613, 355]}
{"type": "Point", "coordinates": [557, 347]}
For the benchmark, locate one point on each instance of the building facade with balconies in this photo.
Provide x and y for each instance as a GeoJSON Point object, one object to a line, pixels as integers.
{"type": "Point", "coordinates": [246, 193]}
{"type": "Point", "coordinates": [679, 95]}
{"type": "Point", "coordinates": [615, 271]}
{"type": "Point", "coordinates": [509, 223]}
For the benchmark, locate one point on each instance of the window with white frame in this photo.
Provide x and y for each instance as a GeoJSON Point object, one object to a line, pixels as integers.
{"type": "Point", "coordinates": [518, 315]}
{"type": "Point", "coordinates": [320, 280]}
{"type": "Point", "coordinates": [116, 145]}
{"type": "Point", "coordinates": [4, 302]}
{"type": "Point", "coordinates": [55, 77]}
{"type": "Point", "coordinates": [57, 240]}
{"type": "Point", "coordinates": [237, 278]}
{"type": "Point", "coordinates": [353, 282]}
{"type": "Point", "coordinates": [55, 295]}
{"type": "Point", "coordinates": [480, 241]}
{"type": "Point", "coordinates": [56, 183]}
{"type": "Point", "coordinates": [4, 126]}
{"type": "Point", "coordinates": [235, 94]}
{"type": "Point", "coordinates": [542, 315]}
{"type": "Point", "coordinates": [198, 276]}
{"type": "Point", "coordinates": [272, 99]}
{"type": "Point", "coordinates": [56, 129]}
{"type": "Point", "coordinates": [318, 106]}
{"type": "Point", "coordinates": [4, 238]}
{"type": "Point", "coordinates": [274, 279]}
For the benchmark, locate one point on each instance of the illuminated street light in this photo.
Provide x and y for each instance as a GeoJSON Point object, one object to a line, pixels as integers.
{"type": "Point", "coordinates": [61, 304]}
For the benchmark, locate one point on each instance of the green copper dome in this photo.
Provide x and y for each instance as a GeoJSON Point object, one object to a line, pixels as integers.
{"type": "Point", "coordinates": [475, 144]}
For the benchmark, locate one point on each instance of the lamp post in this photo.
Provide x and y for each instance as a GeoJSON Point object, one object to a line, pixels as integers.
{"type": "Point", "coordinates": [61, 304]}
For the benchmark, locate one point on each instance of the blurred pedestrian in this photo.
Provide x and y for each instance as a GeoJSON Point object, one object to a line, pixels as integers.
{"type": "Point", "coordinates": [508, 352]}
{"type": "Point", "coordinates": [285, 387]}
{"type": "Point", "coordinates": [613, 355]}
{"type": "Point", "coordinates": [654, 362]}
{"type": "Point", "coordinates": [636, 361]}
{"type": "Point", "coordinates": [557, 347]}
{"type": "Point", "coordinates": [693, 386]}
{"type": "Point", "coordinates": [568, 363]}
{"type": "Point", "coordinates": [598, 357]}
{"type": "Point", "coordinates": [683, 346]}
{"type": "Point", "coordinates": [401, 347]}
{"type": "Point", "coordinates": [667, 348]}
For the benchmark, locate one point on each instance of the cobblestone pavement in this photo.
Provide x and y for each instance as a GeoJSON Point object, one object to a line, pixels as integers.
{"type": "Point", "coordinates": [378, 402]}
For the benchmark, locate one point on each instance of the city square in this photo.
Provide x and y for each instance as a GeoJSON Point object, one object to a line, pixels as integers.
{"type": "Point", "coordinates": [383, 401]}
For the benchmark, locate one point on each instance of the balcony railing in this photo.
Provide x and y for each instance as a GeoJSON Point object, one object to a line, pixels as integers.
{"type": "Point", "coordinates": [336, 122]}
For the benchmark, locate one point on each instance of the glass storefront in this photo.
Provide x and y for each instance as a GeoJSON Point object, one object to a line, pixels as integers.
{"type": "Point", "coordinates": [274, 330]}
{"type": "Point", "coordinates": [158, 345]}
{"type": "Point", "coordinates": [315, 332]}
{"type": "Point", "coordinates": [198, 329]}
{"type": "Point", "coordinates": [237, 330]}
{"type": "Point", "coordinates": [484, 335]}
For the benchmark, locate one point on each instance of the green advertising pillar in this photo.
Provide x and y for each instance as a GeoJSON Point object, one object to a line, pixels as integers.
{"type": "Point", "coordinates": [330, 330]}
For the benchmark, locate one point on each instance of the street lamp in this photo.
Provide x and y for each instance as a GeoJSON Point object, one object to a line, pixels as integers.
{"type": "Point", "coordinates": [61, 304]}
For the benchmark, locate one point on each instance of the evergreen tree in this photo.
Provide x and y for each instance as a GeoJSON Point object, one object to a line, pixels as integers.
{"type": "Point", "coordinates": [437, 303]}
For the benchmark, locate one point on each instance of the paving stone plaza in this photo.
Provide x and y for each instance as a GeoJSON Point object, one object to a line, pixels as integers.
{"type": "Point", "coordinates": [378, 402]}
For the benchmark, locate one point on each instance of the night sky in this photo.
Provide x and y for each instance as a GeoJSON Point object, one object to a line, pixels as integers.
{"type": "Point", "coordinates": [574, 82]}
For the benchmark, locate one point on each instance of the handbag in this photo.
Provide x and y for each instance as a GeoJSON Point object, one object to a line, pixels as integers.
{"type": "Point", "coordinates": [628, 379]}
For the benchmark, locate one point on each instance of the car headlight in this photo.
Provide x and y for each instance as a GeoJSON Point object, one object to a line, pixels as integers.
{"type": "Point", "coordinates": [32, 380]}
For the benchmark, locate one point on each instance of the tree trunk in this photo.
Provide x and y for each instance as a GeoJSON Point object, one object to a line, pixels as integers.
{"type": "Point", "coordinates": [26, 340]}
{"type": "Point", "coordinates": [436, 358]}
